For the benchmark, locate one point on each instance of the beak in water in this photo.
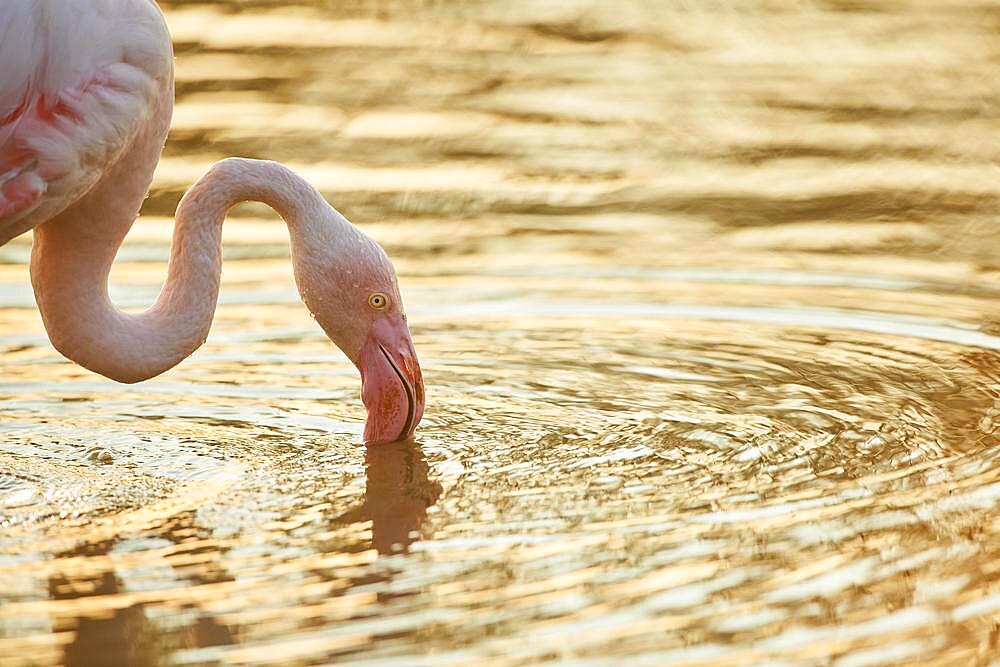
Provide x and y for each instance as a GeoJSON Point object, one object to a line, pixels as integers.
{"type": "Point", "coordinates": [392, 387]}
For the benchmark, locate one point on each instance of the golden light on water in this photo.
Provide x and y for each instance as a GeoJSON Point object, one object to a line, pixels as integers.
{"type": "Point", "coordinates": [705, 295]}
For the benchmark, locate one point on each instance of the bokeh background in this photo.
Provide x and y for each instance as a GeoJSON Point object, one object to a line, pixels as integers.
{"type": "Point", "coordinates": [705, 294]}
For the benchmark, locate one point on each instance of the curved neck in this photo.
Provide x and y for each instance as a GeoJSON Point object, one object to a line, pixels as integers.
{"type": "Point", "coordinates": [71, 260]}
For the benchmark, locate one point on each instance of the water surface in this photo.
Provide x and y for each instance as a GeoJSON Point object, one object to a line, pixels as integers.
{"type": "Point", "coordinates": [705, 296]}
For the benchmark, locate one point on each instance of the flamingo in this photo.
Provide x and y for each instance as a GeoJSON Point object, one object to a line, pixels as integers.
{"type": "Point", "coordinates": [86, 96]}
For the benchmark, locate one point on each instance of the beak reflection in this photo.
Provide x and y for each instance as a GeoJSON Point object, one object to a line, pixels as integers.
{"type": "Point", "coordinates": [397, 495]}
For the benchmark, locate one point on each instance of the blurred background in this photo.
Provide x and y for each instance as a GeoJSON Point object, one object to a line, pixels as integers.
{"type": "Point", "coordinates": [705, 294]}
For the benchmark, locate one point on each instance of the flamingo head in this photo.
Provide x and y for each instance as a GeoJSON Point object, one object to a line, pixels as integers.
{"type": "Point", "coordinates": [354, 296]}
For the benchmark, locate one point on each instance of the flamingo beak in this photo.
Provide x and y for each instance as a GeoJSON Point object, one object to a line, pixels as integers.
{"type": "Point", "coordinates": [392, 387]}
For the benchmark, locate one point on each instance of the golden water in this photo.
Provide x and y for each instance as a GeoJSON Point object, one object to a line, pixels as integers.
{"type": "Point", "coordinates": [706, 299]}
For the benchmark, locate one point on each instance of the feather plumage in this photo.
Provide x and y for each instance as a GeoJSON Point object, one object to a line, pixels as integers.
{"type": "Point", "coordinates": [78, 81]}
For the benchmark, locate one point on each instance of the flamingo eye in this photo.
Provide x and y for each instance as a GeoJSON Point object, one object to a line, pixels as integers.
{"type": "Point", "coordinates": [378, 301]}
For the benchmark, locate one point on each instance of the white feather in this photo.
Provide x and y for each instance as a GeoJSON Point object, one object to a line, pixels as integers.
{"type": "Point", "coordinates": [77, 81]}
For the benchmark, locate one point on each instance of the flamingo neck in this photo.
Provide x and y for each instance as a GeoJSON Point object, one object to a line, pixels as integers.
{"type": "Point", "coordinates": [72, 257]}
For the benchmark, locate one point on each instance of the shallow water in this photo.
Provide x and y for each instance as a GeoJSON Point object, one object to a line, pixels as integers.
{"type": "Point", "coordinates": [705, 299]}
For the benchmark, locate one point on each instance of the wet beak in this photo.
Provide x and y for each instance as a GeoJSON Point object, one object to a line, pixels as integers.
{"type": "Point", "coordinates": [392, 387]}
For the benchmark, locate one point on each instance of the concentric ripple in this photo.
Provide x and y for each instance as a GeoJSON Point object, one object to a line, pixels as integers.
{"type": "Point", "coordinates": [675, 490]}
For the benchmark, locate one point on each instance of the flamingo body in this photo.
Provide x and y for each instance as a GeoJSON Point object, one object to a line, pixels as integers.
{"type": "Point", "coordinates": [71, 104]}
{"type": "Point", "coordinates": [86, 95]}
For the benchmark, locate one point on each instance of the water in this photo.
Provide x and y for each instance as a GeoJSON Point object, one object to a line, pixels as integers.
{"type": "Point", "coordinates": [705, 298]}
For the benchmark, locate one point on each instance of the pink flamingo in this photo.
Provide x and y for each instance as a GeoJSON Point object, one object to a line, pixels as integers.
{"type": "Point", "coordinates": [86, 96]}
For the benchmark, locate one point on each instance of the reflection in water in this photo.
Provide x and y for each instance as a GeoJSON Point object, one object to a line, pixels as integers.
{"type": "Point", "coordinates": [100, 640]}
{"type": "Point", "coordinates": [397, 495]}
{"type": "Point", "coordinates": [706, 299]}
{"type": "Point", "coordinates": [127, 635]}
